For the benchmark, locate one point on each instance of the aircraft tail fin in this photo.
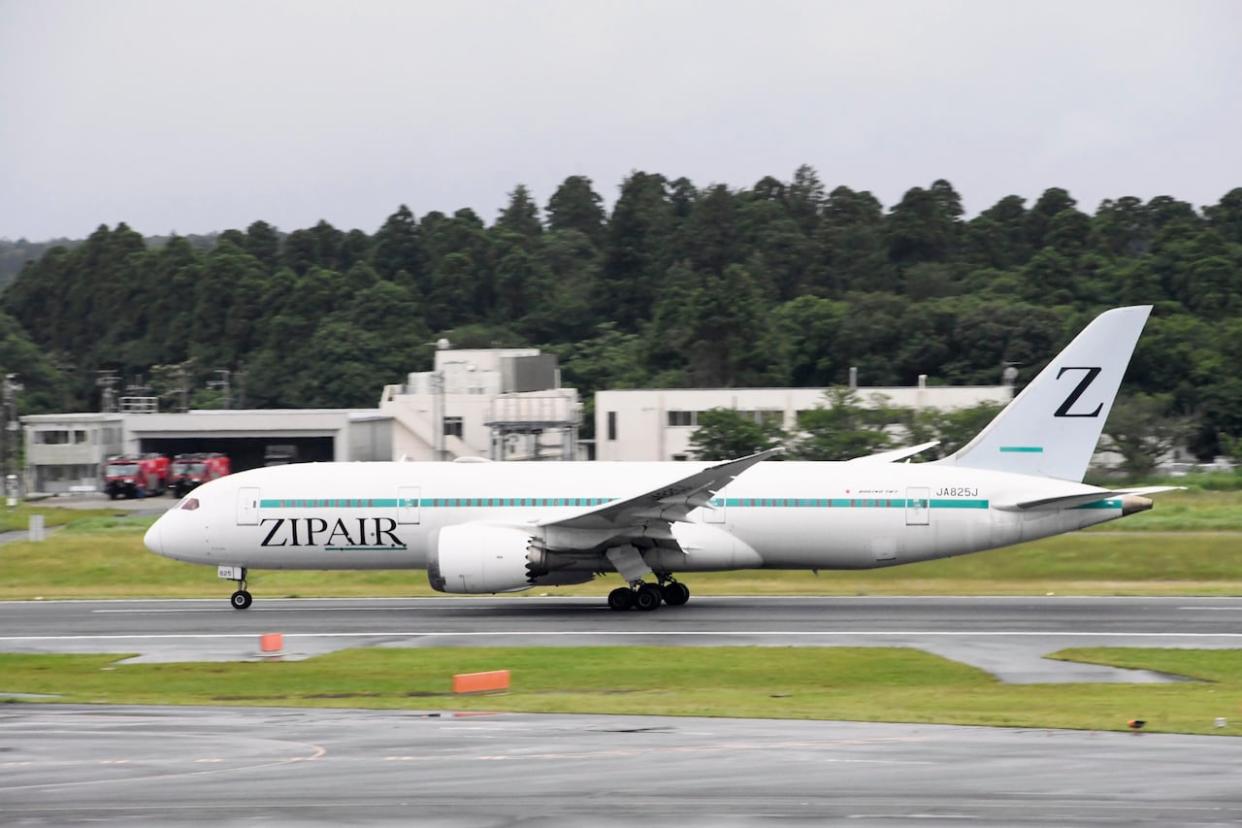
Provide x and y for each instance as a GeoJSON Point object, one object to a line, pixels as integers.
{"type": "Point", "coordinates": [1052, 427]}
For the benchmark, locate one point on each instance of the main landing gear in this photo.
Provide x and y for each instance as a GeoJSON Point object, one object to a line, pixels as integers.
{"type": "Point", "coordinates": [647, 597]}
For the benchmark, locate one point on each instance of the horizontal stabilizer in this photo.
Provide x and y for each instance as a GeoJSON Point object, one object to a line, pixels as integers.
{"type": "Point", "coordinates": [1071, 501]}
{"type": "Point", "coordinates": [896, 454]}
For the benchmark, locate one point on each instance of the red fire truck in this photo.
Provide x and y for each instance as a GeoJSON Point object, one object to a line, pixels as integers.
{"type": "Point", "coordinates": [189, 471]}
{"type": "Point", "coordinates": [136, 475]}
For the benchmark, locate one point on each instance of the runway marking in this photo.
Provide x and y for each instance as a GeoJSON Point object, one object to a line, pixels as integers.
{"type": "Point", "coordinates": [468, 599]}
{"type": "Point", "coordinates": [640, 634]}
{"type": "Point", "coordinates": [1212, 609]}
{"type": "Point", "coordinates": [220, 610]}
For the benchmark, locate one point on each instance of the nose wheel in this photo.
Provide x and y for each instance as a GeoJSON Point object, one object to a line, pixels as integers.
{"type": "Point", "coordinates": [241, 599]}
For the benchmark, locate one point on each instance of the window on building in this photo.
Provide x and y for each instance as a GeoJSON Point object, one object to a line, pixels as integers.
{"type": "Point", "coordinates": [52, 438]}
{"type": "Point", "coordinates": [452, 427]}
{"type": "Point", "coordinates": [79, 436]}
{"type": "Point", "coordinates": [774, 416]}
{"type": "Point", "coordinates": [682, 418]}
{"type": "Point", "coordinates": [612, 425]}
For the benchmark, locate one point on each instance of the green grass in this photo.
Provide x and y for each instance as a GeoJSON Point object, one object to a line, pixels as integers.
{"type": "Point", "coordinates": [863, 684]}
{"type": "Point", "coordinates": [100, 555]}
{"type": "Point", "coordinates": [109, 561]}
{"type": "Point", "coordinates": [1191, 510]}
{"type": "Point", "coordinates": [18, 517]}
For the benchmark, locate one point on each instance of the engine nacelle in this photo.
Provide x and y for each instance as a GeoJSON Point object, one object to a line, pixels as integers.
{"type": "Point", "coordinates": [479, 558]}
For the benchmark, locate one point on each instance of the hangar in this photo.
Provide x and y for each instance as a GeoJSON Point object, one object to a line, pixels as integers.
{"type": "Point", "coordinates": [65, 452]}
{"type": "Point", "coordinates": [500, 403]}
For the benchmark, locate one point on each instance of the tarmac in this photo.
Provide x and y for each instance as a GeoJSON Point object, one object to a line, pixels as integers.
{"type": "Point", "coordinates": [62, 765]}
{"type": "Point", "coordinates": [1008, 637]}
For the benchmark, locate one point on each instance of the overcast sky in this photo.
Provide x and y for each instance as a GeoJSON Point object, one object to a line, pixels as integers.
{"type": "Point", "coordinates": [200, 116]}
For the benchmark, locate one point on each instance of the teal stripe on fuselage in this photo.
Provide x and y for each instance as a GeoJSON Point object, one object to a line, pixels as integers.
{"type": "Point", "coordinates": [1022, 449]}
{"type": "Point", "coordinates": [737, 503]}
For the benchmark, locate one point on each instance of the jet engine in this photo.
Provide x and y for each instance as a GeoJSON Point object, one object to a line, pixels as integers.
{"type": "Point", "coordinates": [477, 558]}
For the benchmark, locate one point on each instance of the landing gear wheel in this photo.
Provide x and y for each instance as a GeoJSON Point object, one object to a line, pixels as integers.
{"type": "Point", "coordinates": [675, 593]}
{"type": "Point", "coordinates": [647, 597]}
{"type": "Point", "coordinates": [241, 599]}
{"type": "Point", "coordinates": [621, 598]}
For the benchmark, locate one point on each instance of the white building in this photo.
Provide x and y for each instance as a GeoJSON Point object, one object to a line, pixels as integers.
{"type": "Point", "coordinates": [656, 424]}
{"type": "Point", "coordinates": [499, 403]}
{"type": "Point", "coordinates": [506, 404]}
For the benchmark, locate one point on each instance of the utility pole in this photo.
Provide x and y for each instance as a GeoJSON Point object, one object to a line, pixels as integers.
{"type": "Point", "coordinates": [223, 384]}
{"type": "Point", "coordinates": [12, 432]}
{"type": "Point", "coordinates": [107, 382]}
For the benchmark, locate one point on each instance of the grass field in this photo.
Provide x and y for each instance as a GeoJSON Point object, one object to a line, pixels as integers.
{"type": "Point", "coordinates": [1191, 543]}
{"type": "Point", "coordinates": [102, 556]}
{"type": "Point", "coordinates": [1196, 510]}
{"type": "Point", "coordinates": [18, 517]}
{"type": "Point", "coordinates": [863, 684]}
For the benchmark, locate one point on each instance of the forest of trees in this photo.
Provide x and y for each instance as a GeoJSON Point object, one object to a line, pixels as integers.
{"type": "Point", "coordinates": [781, 283]}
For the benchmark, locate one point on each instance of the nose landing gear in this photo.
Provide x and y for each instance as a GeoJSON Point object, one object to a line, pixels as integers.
{"type": "Point", "coordinates": [241, 599]}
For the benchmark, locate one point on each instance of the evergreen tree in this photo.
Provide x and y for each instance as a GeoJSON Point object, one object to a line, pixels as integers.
{"type": "Point", "coordinates": [576, 206]}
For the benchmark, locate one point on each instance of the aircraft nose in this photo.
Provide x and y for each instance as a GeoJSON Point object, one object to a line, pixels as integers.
{"type": "Point", "coordinates": [152, 539]}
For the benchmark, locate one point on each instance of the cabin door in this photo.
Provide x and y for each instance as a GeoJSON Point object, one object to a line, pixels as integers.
{"type": "Point", "coordinates": [248, 506]}
{"type": "Point", "coordinates": [918, 506]}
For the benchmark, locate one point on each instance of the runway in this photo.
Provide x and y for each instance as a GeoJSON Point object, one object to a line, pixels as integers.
{"type": "Point", "coordinates": [1006, 636]}
{"type": "Point", "coordinates": [142, 765]}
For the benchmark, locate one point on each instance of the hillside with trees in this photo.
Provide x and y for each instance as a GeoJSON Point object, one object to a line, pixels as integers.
{"type": "Point", "coordinates": [781, 283]}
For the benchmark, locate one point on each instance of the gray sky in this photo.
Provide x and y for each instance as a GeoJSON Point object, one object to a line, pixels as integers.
{"type": "Point", "coordinates": [199, 116]}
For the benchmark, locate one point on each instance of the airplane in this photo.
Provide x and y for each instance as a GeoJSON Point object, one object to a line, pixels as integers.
{"type": "Point", "coordinates": [481, 527]}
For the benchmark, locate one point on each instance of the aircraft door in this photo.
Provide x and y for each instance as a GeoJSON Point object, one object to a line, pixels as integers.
{"type": "Point", "coordinates": [248, 506]}
{"type": "Point", "coordinates": [407, 504]}
{"type": "Point", "coordinates": [918, 506]}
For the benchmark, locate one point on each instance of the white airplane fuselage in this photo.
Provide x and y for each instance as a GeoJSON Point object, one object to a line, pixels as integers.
{"type": "Point", "coordinates": [778, 515]}
{"type": "Point", "coordinates": [480, 527]}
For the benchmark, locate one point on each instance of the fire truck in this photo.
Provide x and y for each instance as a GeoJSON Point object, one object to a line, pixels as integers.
{"type": "Point", "coordinates": [136, 475]}
{"type": "Point", "coordinates": [189, 471]}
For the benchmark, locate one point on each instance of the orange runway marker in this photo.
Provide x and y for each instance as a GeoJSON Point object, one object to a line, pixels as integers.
{"type": "Point", "coordinates": [495, 681]}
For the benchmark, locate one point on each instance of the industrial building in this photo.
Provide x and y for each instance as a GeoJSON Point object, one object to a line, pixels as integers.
{"type": "Point", "coordinates": [656, 424]}
{"type": "Point", "coordinates": [502, 404]}
{"type": "Point", "coordinates": [495, 403]}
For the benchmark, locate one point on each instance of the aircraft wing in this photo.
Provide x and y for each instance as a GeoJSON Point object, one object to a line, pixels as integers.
{"type": "Point", "coordinates": [1070, 501]}
{"type": "Point", "coordinates": [668, 503]}
{"type": "Point", "coordinates": [896, 454]}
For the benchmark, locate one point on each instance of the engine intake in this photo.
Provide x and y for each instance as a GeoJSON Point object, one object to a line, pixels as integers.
{"type": "Point", "coordinates": [474, 558]}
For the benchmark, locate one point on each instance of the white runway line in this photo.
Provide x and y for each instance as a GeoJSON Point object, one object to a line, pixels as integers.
{"type": "Point", "coordinates": [643, 634]}
{"type": "Point", "coordinates": [1212, 609]}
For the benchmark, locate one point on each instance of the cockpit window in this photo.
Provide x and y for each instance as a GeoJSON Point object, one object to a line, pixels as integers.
{"type": "Point", "coordinates": [190, 504]}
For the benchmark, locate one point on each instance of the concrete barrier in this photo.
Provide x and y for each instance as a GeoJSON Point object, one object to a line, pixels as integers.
{"type": "Point", "coordinates": [495, 681]}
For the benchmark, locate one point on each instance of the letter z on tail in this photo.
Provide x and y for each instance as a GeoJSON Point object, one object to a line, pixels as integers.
{"type": "Point", "coordinates": [1052, 427]}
